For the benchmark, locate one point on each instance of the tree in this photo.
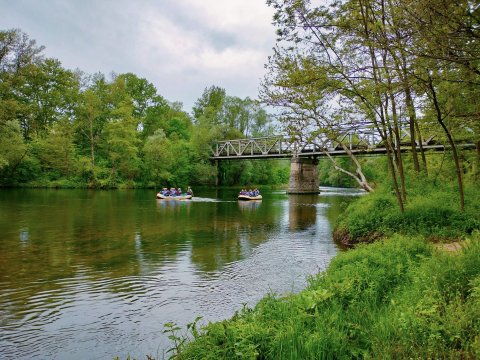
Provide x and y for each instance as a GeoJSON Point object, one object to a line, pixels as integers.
{"type": "Point", "coordinates": [315, 101]}
{"type": "Point", "coordinates": [122, 146]}
{"type": "Point", "coordinates": [371, 60]}
{"type": "Point", "coordinates": [48, 94]}
{"type": "Point", "coordinates": [18, 54]}
{"type": "Point", "coordinates": [90, 123]}
{"type": "Point", "coordinates": [56, 150]}
{"type": "Point", "coordinates": [157, 163]}
{"type": "Point", "coordinates": [209, 105]}
{"type": "Point", "coordinates": [12, 145]}
{"type": "Point", "coordinates": [148, 106]}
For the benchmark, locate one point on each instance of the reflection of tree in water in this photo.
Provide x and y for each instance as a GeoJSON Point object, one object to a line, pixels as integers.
{"type": "Point", "coordinates": [58, 245]}
{"type": "Point", "coordinates": [249, 205]}
{"type": "Point", "coordinates": [302, 211]}
{"type": "Point", "coordinates": [235, 231]}
{"type": "Point", "coordinates": [114, 235]}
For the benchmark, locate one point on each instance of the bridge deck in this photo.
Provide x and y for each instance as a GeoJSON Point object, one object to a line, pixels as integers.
{"type": "Point", "coordinates": [279, 147]}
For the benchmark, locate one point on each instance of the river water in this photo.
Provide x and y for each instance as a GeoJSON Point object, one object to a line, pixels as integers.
{"type": "Point", "coordinates": [97, 274]}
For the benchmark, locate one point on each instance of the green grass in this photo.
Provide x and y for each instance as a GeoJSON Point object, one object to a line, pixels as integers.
{"type": "Point", "coordinates": [431, 211]}
{"type": "Point", "coordinates": [398, 298]}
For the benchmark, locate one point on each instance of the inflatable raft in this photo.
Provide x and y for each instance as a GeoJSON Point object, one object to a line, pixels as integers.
{"type": "Point", "coordinates": [246, 197]}
{"type": "Point", "coordinates": [179, 197]}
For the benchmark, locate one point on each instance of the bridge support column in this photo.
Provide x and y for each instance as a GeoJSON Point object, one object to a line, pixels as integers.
{"type": "Point", "coordinates": [216, 172]}
{"type": "Point", "coordinates": [303, 176]}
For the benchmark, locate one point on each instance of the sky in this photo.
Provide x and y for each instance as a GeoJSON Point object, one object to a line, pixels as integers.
{"type": "Point", "coordinates": [181, 46]}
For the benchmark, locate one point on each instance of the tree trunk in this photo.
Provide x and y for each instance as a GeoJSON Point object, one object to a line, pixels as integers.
{"type": "Point", "coordinates": [383, 130]}
{"type": "Point", "coordinates": [92, 154]}
{"type": "Point", "coordinates": [478, 161]}
{"type": "Point", "coordinates": [398, 151]}
{"type": "Point", "coordinates": [422, 151]}
{"type": "Point", "coordinates": [451, 142]}
{"type": "Point", "coordinates": [92, 150]}
{"type": "Point", "coordinates": [358, 176]}
{"type": "Point", "coordinates": [412, 119]}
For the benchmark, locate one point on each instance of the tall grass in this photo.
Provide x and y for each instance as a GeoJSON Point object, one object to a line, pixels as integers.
{"type": "Point", "coordinates": [431, 211]}
{"type": "Point", "coordinates": [398, 298]}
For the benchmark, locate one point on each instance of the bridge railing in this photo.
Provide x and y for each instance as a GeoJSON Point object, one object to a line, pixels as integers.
{"type": "Point", "coordinates": [359, 140]}
{"type": "Point", "coordinates": [280, 145]}
{"type": "Point", "coordinates": [277, 146]}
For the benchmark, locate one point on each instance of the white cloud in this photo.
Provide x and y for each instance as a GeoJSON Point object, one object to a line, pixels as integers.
{"type": "Point", "coordinates": [180, 46]}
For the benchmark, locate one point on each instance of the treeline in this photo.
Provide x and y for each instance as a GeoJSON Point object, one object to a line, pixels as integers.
{"type": "Point", "coordinates": [409, 70]}
{"type": "Point", "coordinates": [70, 129]}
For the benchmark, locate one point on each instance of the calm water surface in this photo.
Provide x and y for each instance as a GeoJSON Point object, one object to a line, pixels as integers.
{"type": "Point", "coordinates": [96, 274]}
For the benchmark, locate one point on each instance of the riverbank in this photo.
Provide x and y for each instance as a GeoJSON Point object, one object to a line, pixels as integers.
{"type": "Point", "coordinates": [401, 296]}
{"type": "Point", "coordinates": [431, 212]}
{"type": "Point", "coordinates": [397, 298]}
{"type": "Point", "coordinates": [66, 184]}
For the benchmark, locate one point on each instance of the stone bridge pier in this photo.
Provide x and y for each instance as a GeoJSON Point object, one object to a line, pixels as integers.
{"type": "Point", "coordinates": [303, 176]}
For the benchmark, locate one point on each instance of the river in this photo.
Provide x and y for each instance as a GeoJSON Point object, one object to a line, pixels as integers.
{"type": "Point", "coordinates": [97, 274]}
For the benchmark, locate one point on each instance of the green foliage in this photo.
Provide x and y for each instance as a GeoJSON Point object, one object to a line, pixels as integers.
{"type": "Point", "coordinates": [61, 128]}
{"type": "Point", "coordinates": [64, 128]}
{"type": "Point", "coordinates": [12, 145]}
{"type": "Point", "coordinates": [254, 172]}
{"type": "Point", "coordinates": [408, 69]}
{"type": "Point", "coordinates": [436, 314]}
{"type": "Point", "coordinates": [210, 104]}
{"type": "Point", "coordinates": [394, 299]}
{"type": "Point", "coordinates": [55, 150]}
{"type": "Point", "coordinates": [328, 176]}
{"type": "Point", "coordinates": [431, 211]}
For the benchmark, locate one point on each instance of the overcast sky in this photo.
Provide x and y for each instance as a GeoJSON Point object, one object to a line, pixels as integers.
{"type": "Point", "coordinates": [181, 46]}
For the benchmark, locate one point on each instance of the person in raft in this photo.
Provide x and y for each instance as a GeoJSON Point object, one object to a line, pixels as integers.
{"type": "Point", "coordinates": [253, 193]}
{"type": "Point", "coordinates": [189, 191]}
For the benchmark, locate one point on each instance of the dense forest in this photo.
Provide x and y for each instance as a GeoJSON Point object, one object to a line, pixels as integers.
{"type": "Point", "coordinates": [64, 128]}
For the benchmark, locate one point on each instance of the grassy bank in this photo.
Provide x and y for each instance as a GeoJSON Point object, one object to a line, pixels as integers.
{"type": "Point", "coordinates": [399, 298]}
{"type": "Point", "coordinates": [432, 211]}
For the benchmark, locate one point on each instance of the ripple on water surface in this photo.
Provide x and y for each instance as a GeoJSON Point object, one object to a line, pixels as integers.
{"type": "Point", "coordinates": [103, 283]}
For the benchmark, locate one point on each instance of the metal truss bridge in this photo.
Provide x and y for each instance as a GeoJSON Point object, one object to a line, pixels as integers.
{"type": "Point", "coordinates": [359, 143]}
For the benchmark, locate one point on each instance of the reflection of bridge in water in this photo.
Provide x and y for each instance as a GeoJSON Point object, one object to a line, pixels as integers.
{"type": "Point", "coordinates": [360, 140]}
{"type": "Point", "coordinates": [302, 211]}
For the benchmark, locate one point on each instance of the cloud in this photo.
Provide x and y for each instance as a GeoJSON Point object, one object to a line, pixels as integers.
{"type": "Point", "coordinates": [180, 46]}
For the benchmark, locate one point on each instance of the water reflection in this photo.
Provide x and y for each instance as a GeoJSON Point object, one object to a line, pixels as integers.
{"type": "Point", "coordinates": [302, 210]}
{"type": "Point", "coordinates": [249, 206]}
{"type": "Point", "coordinates": [24, 236]}
{"type": "Point", "coordinates": [102, 271]}
{"type": "Point", "coordinates": [174, 205]}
